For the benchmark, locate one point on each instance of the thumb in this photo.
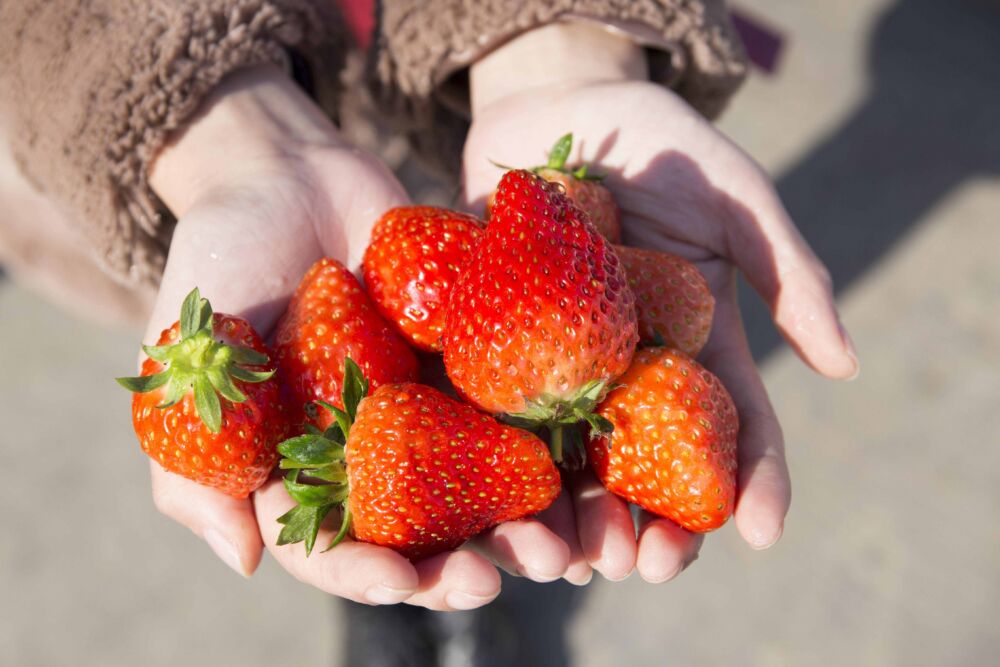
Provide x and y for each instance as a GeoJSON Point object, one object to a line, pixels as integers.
{"type": "Point", "coordinates": [227, 524]}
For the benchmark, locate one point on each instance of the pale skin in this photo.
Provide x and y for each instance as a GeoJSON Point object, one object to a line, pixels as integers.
{"type": "Point", "coordinates": [263, 185]}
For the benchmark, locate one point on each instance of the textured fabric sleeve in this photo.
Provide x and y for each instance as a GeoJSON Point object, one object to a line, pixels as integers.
{"type": "Point", "coordinates": [90, 89]}
{"type": "Point", "coordinates": [421, 46]}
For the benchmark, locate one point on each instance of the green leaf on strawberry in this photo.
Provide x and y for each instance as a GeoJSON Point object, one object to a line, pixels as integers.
{"type": "Point", "coordinates": [320, 456]}
{"type": "Point", "coordinates": [200, 364]}
{"type": "Point", "coordinates": [560, 152]}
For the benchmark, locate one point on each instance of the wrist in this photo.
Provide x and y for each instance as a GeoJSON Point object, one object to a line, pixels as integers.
{"type": "Point", "coordinates": [565, 53]}
{"type": "Point", "coordinates": [254, 118]}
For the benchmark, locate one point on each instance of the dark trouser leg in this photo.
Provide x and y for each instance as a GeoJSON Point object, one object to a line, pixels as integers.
{"type": "Point", "coordinates": [524, 627]}
{"type": "Point", "coordinates": [388, 636]}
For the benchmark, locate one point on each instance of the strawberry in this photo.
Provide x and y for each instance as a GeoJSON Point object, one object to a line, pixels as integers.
{"type": "Point", "coordinates": [672, 299]}
{"type": "Point", "coordinates": [542, 318]}
{"type": "Point", "coordinates": [412, 263]}
{"type": "Point", "coordinates": [413, 470]}
{"type": "Point", "coordinates": [584, 189]}
{"type": "Point", "coordinates": [673, 449]}
{"type": "Point", "coordinates": [205, 406]}
{"type": "Point", "coordinates": [328, 319]}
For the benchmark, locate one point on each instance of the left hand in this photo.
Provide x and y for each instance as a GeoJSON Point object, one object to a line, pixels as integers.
{"type": "Point", "coordinates": [683, 188]}
{"type": "Point", "coordinates": [263, 185]}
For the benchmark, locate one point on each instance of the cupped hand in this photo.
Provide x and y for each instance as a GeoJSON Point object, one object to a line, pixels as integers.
{"type": "Point", "coordinates": [683, 188]}
{"type": "Point", "coordinates": [263, 186]}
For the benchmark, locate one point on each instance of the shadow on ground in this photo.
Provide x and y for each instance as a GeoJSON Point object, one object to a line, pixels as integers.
{"type": "Point", "coordinates": [928, 125]}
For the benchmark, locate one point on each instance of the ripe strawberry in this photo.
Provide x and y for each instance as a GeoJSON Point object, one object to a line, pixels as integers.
{"type": "Point", "coordinates": [329, 319]}
{"type": "Point", "coordinates": [542, 319]}
{"type": "Point", "coordinates": [414, 470]}
{"type": "Point", "coordinates": [182, 423]}
{"type": "Point", "coordinates": [673, 449]}
{"type": "Point", "coordinates": [585, 190]}
{"type": "Point", "coordinates": [672, 299]}
{"type": "Point", "coordinates": [412, 263]}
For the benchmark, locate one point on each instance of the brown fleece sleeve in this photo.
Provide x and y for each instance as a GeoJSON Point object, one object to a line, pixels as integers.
{"type": "Point", "coordinates": [421, 47]}
{"type": "Point", "coordinates": [90, 89]}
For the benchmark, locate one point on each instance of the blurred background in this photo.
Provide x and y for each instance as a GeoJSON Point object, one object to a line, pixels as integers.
{"type": "Point", "coordinates": [880, 127]}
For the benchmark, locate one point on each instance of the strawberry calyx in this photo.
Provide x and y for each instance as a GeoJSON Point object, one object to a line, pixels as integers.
{"type": "Point", "coordinates": [319, 456]}
{"type": "Point", "coordinates": [558, 155]}
{"type": "Point", "coordinates": [200, 364]}
{"type": "Point", "coordinates": [561, 417]}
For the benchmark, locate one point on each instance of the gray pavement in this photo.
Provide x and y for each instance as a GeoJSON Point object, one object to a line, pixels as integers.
{"type": "Point", "coordinates": [891, 551]}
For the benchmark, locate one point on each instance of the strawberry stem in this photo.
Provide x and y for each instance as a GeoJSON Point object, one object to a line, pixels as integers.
{"type": "Point", "coordinates": [558, 414]}
{"type": "Point", "coordinates": [556, 443]}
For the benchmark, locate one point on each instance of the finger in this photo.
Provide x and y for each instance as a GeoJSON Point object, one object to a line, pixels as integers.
{"type": "Point", "coordinates": [353, 206]}
{"type": "Point", "coordinates": [764, 486]}
{"type": "Point", "coordinates": [455, 580]}
{"type": "Point", "coordinates": [795, 284]}
{"type": "Point", "coordinates": [561, 520]}
{"type": "Point", "coordinates": [227, 524]}
{"type": "Point", "coordinates": [524, 548]}
{"type": "Point", "coordinates": [665, 549]}
{"type": "Point", "coordinates": [353, 570]}
{"type": "Point", "coordinates": [605, 527]}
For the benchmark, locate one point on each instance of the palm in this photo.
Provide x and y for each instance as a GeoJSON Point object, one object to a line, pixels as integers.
{"type": "Point", "coordinates": [684, 188]}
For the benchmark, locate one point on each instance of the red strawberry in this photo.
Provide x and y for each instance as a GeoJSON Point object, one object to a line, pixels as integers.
{"type": "Point", "coordinates": [672, 299]}
{"type": "Point", "coordinates": [205, 406]}
{"type": "Point", "coordinates": [673, 449]}
{"type": "Point", "coordinates": [412, 263]}
{"type": "Point", "coordinates": [585, 190]}
{"type": "Point", "coordinates": [329, 319]}
{"type": "Point", "coordinates": [542, 318]}
{"type": "Point", "coordinates": [417, 471]}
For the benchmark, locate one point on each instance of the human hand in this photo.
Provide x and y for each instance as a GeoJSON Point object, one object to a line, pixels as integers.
{"type": "Point", "coordinates": [263, 185]}
{"type": "Point", "coordinates": [682, 188]}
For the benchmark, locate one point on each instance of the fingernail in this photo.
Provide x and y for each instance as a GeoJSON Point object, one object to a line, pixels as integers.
{"type": "Point", "coordinates": [583, 581]}
{"type": "Point", "coordinates": [667, 577]}
{"type": "Point", "coordinates": [599, 566]}
{"type": "Point", "coordinates": [461, 601]}
{"type": "Point", "coordinates": [226, 551]}
{"type": "Point", "coordinates": [386, 594]}
{"type": "Point", "coordinates": [852, 352]}
{"type": "Point", "coordinates": [535, 575]}
{"type": "Point", "coordinates": [760, 540]}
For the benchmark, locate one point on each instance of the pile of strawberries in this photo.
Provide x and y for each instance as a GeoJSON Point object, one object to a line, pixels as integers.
{"type": "Point", "coordinates": [559, 349]}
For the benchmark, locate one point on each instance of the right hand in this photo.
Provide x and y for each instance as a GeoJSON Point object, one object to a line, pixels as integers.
{"type": "Point", "coordinates": [262, 186]}
{"type": "Point", "coordinates": [682, 188]}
